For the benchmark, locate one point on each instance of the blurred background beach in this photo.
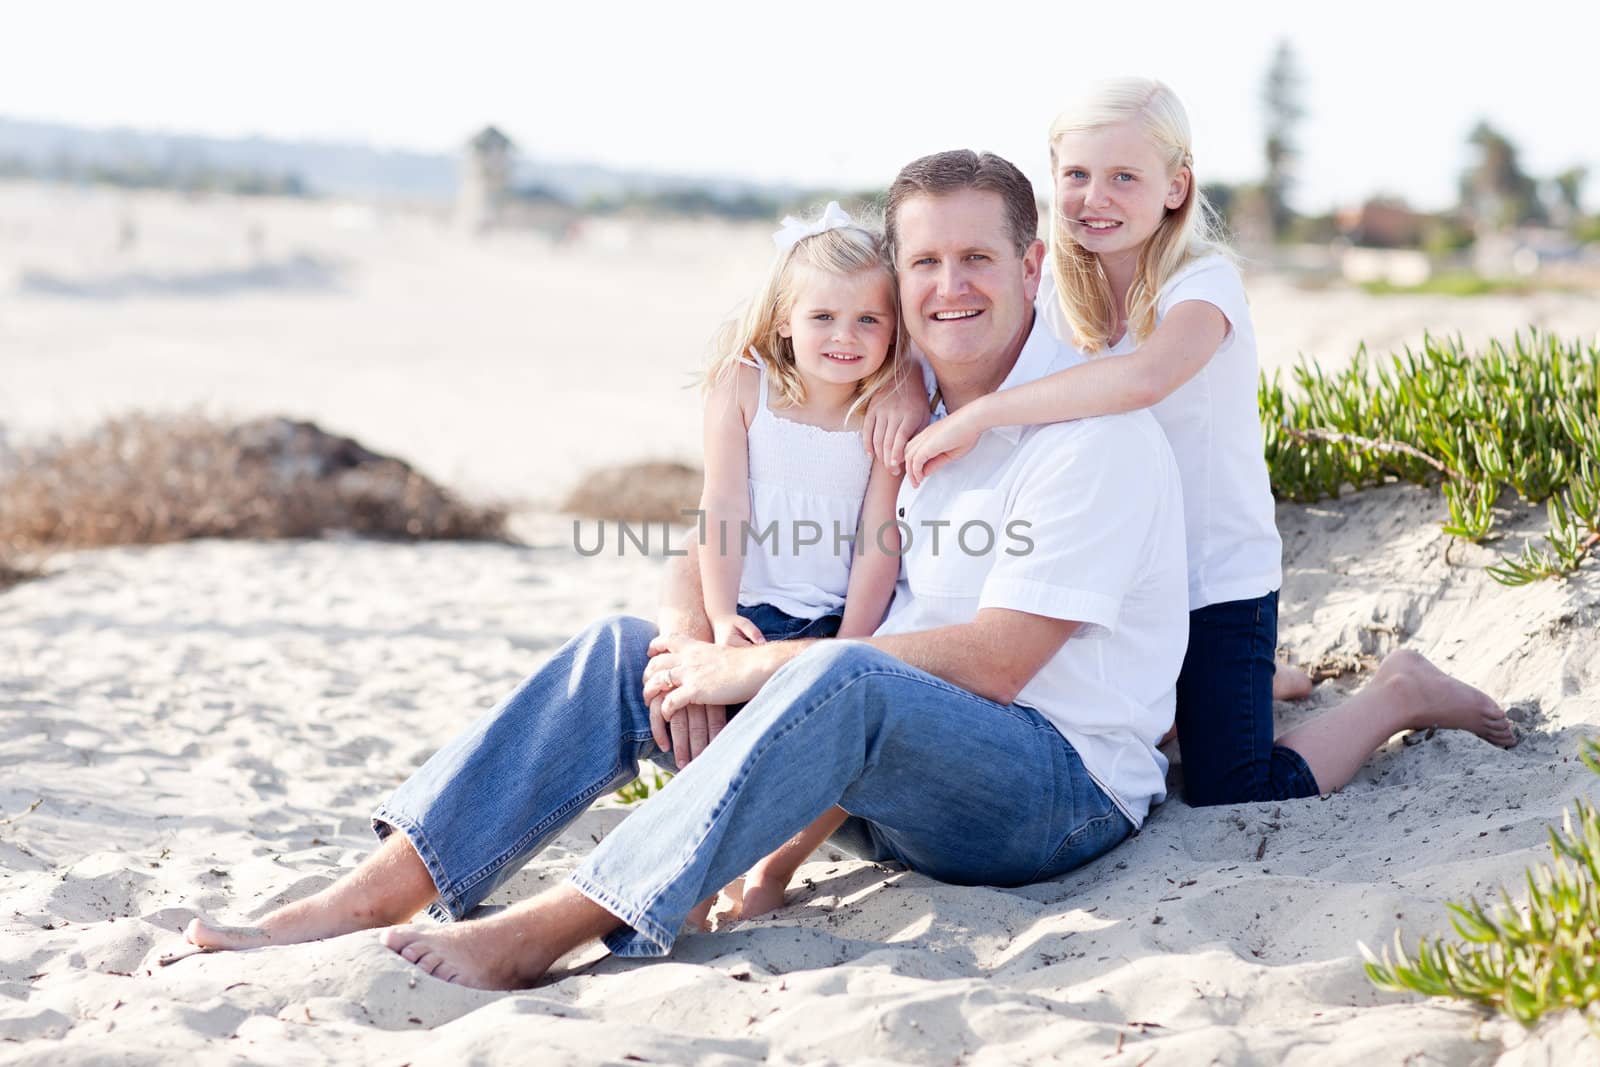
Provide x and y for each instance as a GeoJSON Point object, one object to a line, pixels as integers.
{"type": "Point", "coordinates": [498, 248]}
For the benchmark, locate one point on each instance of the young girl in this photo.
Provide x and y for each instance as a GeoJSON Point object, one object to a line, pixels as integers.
{"type": "Point", "coordinates": [1138, 273]}
{"type": "Point", "coordinates": [787, 484]}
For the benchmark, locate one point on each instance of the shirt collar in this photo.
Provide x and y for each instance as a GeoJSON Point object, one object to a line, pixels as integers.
{"type": "Point", "coordinates": [1041, 354]}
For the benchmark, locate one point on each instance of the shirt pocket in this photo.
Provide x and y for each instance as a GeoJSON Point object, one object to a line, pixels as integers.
{"type": "Point", "coordinates": [952, 550]}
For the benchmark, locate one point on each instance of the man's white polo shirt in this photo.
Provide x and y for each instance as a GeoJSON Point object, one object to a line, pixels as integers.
{"type": "Point", "coordinates": [1080, 520]}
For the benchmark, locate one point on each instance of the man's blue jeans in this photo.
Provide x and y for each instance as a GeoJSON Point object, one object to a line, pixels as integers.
{"type": "Point", "coordinates": [946, 782]}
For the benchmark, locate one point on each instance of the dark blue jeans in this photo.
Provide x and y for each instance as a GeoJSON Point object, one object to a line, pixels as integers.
{"type": "Point", "coordinates": [1225, 709]}
{"type": "Point", "coordinates": [776, 625]}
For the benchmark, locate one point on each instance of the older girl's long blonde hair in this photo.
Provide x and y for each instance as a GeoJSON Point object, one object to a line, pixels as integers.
{"type": "Point", "coordinates": [1185, 233]}
{"type": "Point", "coordinates": [843, 250]}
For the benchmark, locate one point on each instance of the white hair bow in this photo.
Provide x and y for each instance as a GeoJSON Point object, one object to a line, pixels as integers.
{"type": "Point", "coordinates": [794, 230]}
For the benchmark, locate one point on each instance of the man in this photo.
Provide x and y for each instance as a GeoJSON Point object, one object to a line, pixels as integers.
{"type": "Point", "coordinates": [1000, 727]}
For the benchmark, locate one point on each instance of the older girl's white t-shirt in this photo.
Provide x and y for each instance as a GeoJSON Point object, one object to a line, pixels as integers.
{"type": "Point", "coordinates": [1214, 427]}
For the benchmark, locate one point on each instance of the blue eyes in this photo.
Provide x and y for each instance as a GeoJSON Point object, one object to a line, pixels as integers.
{"type": "Point", "coordinates": [823, 316]}
{"type": "Point", "coordinates": [1079, 175]}
{"type": "Point", "coordinates": [926, 260]}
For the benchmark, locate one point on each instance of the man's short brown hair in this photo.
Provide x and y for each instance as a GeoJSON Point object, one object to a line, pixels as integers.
{"type": "Point", "coordinates": [962, 168]}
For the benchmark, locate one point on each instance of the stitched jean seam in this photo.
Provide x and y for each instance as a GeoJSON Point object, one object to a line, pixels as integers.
{"type": "Point", "coordinates": [755, 757]}
{"type": "Point", "coordinates": [451, 896]}
{"type": "Point", "coordinates": [1076, 838]}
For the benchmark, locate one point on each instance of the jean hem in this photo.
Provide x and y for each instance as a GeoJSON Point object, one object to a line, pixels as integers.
{"type": "Point", "coordinates": [643, 937]}
{"type": "Point", "coordinates": [384, 822]}
{"type": "Point", "coordinates": [1304, 781]}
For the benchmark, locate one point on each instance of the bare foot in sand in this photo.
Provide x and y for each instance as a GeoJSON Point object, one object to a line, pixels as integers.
{"type": "Point", "coordinates": [1406, 693]}
{"type": "Point", "coordinates": [700, 918]}
{"type": "Point", "coordinates": [311, 919]}
{"type": "Point", "coordinates": [390, 886]}
{"type": "Point", "coordinates": [1437, 699]}
{"type": "Point", "coordinates": [1290, 683]}
{"type": "Point", "coordinates": [763, 892]}
{"type": "Point", "coordinates": [492, 953]}
{"type": "Point", "coordinates": [511, 950]}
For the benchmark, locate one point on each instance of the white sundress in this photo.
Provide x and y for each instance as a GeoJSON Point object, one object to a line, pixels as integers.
{"type": "Point", "coordinates": [806, 485]}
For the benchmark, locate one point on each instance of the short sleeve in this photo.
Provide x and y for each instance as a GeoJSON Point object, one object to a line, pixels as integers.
{"type": "Point", "coordinates": [1048, 306]}
{"type": "Point", "coordinates": [1079, 522]}
{"type": "Point", "coordinates": [1213, 280]}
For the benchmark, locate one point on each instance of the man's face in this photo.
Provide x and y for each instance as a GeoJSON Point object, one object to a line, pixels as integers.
{"type": "Point", "coordinates": [965, 292]}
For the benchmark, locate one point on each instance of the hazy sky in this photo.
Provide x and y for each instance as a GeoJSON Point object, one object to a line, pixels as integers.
{"type": "Point", "coordinates": [840, 95]}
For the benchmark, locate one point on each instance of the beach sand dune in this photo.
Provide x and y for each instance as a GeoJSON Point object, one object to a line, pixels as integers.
{"type": "Point", "coordinates": [204, 727]}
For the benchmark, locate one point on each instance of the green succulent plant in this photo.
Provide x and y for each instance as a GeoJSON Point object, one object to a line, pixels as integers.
{"type": "Point", "coordinates": [1527, 960]}
{"type": "Point", "coordinates": [1522, 418]}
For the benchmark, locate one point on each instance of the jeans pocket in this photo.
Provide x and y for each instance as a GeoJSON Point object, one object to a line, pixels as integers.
{"type": "Point", "coordinates": [1088, 842]}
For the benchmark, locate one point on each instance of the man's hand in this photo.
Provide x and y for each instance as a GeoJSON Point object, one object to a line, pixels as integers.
{"type": "Point", "coordinates": [689, 731]}
{"type": "Point", "coordinates": [688, 672]}
{"type": "Point", "coordinates": [948, 439]}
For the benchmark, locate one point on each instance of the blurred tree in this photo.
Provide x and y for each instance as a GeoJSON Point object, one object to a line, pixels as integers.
{"type": "Point", "coordinates": [1220, 196]}
{"type": "Point", "coordinates": [1242, 211]}
{"type": "Point", "coordinates": [1281, 99]}
{"type": "Point", "coordinates": [1443, 236]}
{"type": "Point", "coordinates": [1566, 199]}
{"type": "Point", "coordinates": [1312, 229]}
{"type": "Point", "coordinates": [1495, 191]}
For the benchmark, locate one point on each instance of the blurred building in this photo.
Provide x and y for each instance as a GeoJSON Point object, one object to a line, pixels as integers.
{"type": "Point", "coordinates": [489, 199]}
{"type": "Point", "coordinates": [1525, 250]}
{"type": "Point", "coordinates": [485, 180]}
{"type": "Point", "coordinates": [1382, 223]}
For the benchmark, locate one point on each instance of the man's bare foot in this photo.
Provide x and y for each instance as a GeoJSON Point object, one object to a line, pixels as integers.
{"type": "Point", "coordinates": [214, 937]}
{"type": "Point", "coordinates": [492, 953]}
{"type": "Point", "coordinates": [511, 950]}
{"type": "Point", "coordinates": [389, 886]}
{"type": "Point", "coordinates": [1437, 699]}
{"type": "Point", "coordinates": [1290, 682]}
{"type": "Point", "coordinates": [318, 916]}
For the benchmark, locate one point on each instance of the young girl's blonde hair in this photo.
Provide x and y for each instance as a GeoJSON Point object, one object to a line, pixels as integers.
{"type": "Point", "coordinates": [1186, 232]}
{"type": "Point", "coordinates": [843, 250]}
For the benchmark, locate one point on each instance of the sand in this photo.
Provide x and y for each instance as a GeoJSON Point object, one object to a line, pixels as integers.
{"type": "Point", "coordinates": [203, 728]}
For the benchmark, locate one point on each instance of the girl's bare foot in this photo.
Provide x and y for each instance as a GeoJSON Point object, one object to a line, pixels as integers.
{"type": "Point", "coordinates": [700, 918]}
{"type": "Point", "coordinates": [1437, 699]}
{"type": "Point", "coordinates": [763, 892]}
{"type": "Point", "coordinates": [1290, 682]}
